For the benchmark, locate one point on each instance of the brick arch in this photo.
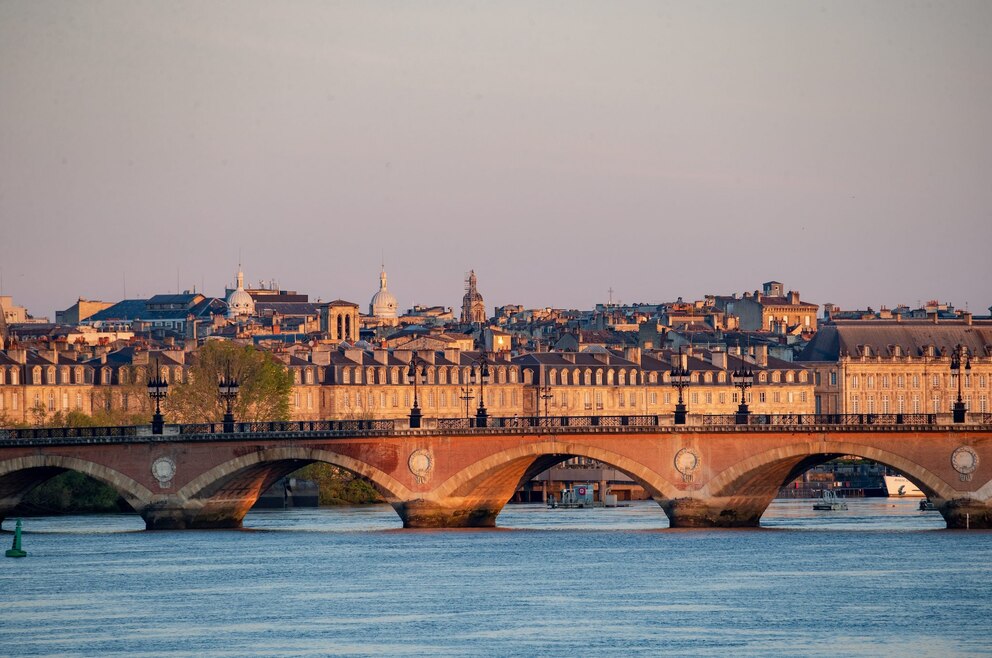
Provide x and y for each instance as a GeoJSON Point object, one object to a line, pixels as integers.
{"type": "Point", "coordinates": [47, 466]}
{"type": "Point", "coordinates": [492, 477]}
{"type": "Point", "coordinates": [393, 489]}
{"type": "Point", "coordinates": [785, 459]}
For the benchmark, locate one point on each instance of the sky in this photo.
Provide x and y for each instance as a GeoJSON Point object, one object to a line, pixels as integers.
{"type": "Point", "coordinates": [559, 149]}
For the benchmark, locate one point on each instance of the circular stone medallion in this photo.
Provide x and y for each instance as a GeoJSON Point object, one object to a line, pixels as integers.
{"type": "Point", "coordinates": [420, 464]}
{"type": "Point", "coordinates": [164, 469]}
{"type": "Point", "coordinates": [964, 460]}
{"type": "Point", "coordinates": [686, 462]}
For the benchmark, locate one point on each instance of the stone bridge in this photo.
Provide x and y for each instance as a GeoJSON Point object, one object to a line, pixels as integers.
{"type": "Point", "coordinates": [700, 475]}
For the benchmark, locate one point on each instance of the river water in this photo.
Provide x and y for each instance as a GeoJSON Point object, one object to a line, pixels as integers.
{"type": "Point", "coordinates": [879, 579]}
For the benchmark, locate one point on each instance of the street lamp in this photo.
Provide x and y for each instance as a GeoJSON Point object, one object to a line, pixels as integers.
{"type": "Point", "coordinates": [680, 380]}
{"type": "Point", "coordinates": [466, 397]}
{"type": "Point", "coordinates": [743, 378]}
{"type": "Point", "coordinates": [546, 395]}
{"type": "Point", "coordinates": [228, 393]}
{"type": "Point", "coordinates": [158, 389]}
{"type": "Point", "coordinates": [482, 375]}
{"type": "Point", "coordinates": [418, 368]}
{"type": "Point", "coordinates": [958, 357]}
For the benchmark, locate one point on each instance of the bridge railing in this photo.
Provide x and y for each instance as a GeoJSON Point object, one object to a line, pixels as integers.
{"type": "Point", "coordinates": [498, 422]}
{"type": "Point", "coordinates": [348, 425]}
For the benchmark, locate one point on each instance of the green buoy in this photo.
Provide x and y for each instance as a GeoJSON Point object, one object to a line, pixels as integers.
{"type": "Point", "coordinates": [15, 550]}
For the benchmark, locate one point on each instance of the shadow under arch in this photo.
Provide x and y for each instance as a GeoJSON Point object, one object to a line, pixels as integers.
{"type": "Point", "coordinates": [20, 475]}
{"type": "Point", "coordinates": [220, 497]}
{"type": "Point", "coordinates": [768, 471]}
{"type": "Point", "coordinates": [492, 481]}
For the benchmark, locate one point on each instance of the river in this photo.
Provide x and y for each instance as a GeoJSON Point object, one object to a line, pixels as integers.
{"type": "Point", "coordinates": [879, 579]}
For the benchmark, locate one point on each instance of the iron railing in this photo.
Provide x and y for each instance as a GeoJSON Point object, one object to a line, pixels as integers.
{"type": "Point", "coordinates": [351, 426]}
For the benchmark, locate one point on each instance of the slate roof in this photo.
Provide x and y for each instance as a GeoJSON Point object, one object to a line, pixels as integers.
{"type": "Point", "coordinates": [839, 338]}
{"type": "Point", "coordinates": [127, 309]}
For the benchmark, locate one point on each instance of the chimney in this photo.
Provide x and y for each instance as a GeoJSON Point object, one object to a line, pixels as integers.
{"type": "Point", "coordinates": [380, 356]}
{"type": "Point", "coordinates": [453, 355]}
{"type": "Point", "coordinates": [427, 355]}
{"type": "Point", "coordinates": [966, 316]}
{"type": "Point", "coordinates": [761, 355]}
{"type": "Point", "coordinates": [932, 315]}
{"type": "Point", "coordinates": [404, 356]}
{"type": "Point", "coordinates": [719, 360]}
{"type": "Point", "coordinates": [320, 357]}
{"type": "Point", "coordinates": [139, 358]}
{"type": "Point", "coordinates": [18, 356]}
{"type": "Point", "coordinates": [632, 354]}
{"type": "Point", "coordinates": [568, 356]}
{"type": "Point", "coordinates": [793, 297]}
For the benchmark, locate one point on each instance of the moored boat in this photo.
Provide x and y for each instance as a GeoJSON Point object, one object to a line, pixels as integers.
{"type": "Point", "coordinates": [900, 487]}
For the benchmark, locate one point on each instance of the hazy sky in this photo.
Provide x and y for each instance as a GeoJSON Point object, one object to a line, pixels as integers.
{"type": "Point", "coordinates": [558, 148]}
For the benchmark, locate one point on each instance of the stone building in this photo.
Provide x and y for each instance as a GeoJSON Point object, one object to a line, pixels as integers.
{"type": "Point", "coordinates": [899, 366]}
{"type": "Point", "coordinates": [382, 307]}
{"type": "Point", "coordinates": [773, 309]}
{"type": "Point", "coordinates": [339, 320]}
{"type": "Point", "coordinates": [473, 308]}
{"type": "Point", "coordinates": [82, 309]}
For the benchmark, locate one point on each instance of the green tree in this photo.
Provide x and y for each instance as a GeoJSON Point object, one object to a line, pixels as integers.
{"type": "Point", "coordinates": [265, 385]}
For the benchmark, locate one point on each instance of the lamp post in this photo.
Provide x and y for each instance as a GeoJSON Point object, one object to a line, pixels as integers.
{"type": "Point", "coordinates": [418, 368]}
{"type": "Point", "coordinates": [228, 393]}
{"type": "Point", "coordinates": [546, 395]}
{"type": "Point", "coordinates": [482, 363]}
{"type": "Point", "coordinates": [467, 396]}
{"type": "Point", "coordinates": [158, 389]}
{"type": "Point", "coordinates": [743, 379]}
{"type": "Point", "coordinates": [959, 358]}
{"type": "Point", "coordinates": [680, 380]}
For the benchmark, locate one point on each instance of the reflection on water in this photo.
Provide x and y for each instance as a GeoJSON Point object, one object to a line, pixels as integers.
{"type": "Point", "coordinates": [878, 579]}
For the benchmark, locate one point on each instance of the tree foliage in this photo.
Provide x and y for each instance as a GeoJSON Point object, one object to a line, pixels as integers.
{"type": "Point", "coordinates": [265, 385]}
{"type": "Point", "coordinates": [339, 486]}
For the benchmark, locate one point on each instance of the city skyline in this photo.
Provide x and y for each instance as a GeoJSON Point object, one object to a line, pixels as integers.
{"type": "Point", "coordinates": [559, 151]}
{"type": "Point", "coordinates": [218, 290]}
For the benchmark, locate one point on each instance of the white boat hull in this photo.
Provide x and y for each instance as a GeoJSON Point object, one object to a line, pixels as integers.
{"type": "Point", "coordinates": [900, 487]}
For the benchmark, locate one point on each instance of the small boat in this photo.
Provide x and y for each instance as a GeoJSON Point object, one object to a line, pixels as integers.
{"type": "Point", "coordinates": [926, 505]}
{"type": "Point", "coordinates": [900, 487]}
{"type": "Point", "coordinates": [829, 502]}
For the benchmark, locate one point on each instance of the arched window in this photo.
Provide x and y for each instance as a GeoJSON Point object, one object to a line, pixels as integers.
{"type": "Point", "coordinates": [609, 377]}
{"type": "Point", "coordinates": [513, 376]}
{"type": "Point", "coordinates": [370, 376]}
{"type": "Point", "coordinates": [79, 375]}
{"type": "Point", "coordinates": [36, 375]}
{"type": "Point", "coordinates": [776, 376]}
{"type": "Point", "coordinates": [528, 376]}
{"type": "Point", "coordinates": [64, 377]}
{"type": "Point", "coordinates": [107, 375]}
{"type": "Point", "coordinates": [587, 377]}
{"type": "Point", "coordinates": [122, 376]}
{"type": "Point", "coordinates": [345, 375]}
{"type": "Point", "coordinates": [622, 378]}
{"type": "Point", "coordinates": [762, 376]}
{"type": "Point", "coordinates": [653, 378]}
{"type": "Point", "coordinates": [789, 377]}
{"type": "Point", "coordinates": [708, 377]}
{"type": "Point", "coordinates": [309, 376]}
{"type": "Point", "coordinates": [51, 375]}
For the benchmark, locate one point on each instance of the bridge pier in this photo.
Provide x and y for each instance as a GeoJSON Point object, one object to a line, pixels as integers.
{"type": "Point", "coordinates": [962, 513]}
{"type": "Point", "coordinates": [429, 514]}
{"type": "Point", "coordinates": [189, 516]}
{"type": "Point", "coordinates": [713, 512]}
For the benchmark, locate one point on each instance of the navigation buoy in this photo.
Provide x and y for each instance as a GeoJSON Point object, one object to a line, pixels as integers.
{"type": "Point", "coordinates": [15, 550]}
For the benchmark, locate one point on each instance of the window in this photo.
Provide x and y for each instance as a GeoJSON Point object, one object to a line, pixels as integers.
{"type": "Point", "coordinates": [833, 377]}
{"type": "Point", "coordinates": [310, 394]}
{"type": "Point", "coordinates": [599, 400]}
{"type": "Point", "coordinates": [854, 405]}
{"type": "Point", "coordinates": [870, 381]}
{"type": "Point", "coordinates": [802, 396]}
{"type": "Point", "coordinates": [296, 398]}
{"type": "Point", "coordinates": [695, 398]}
{"type": "Point", "coordinates": [654, 398]}
{"type": "Point", "coordinates": [587, 400]}
{"type": "Point", "coordinates": [916, 383]}
{"type": "Point", "coordinates": [854, 381]}
{"type": "Point", "coordinates": [723, 398]}
{"type": "Point", "coordinates": [709, 398]}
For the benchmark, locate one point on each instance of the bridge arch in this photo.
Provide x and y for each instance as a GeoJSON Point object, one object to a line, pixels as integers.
{"type": "Point", "coordinates": [772, 469]}
{"type": "Point", "coordinates": [220, 497]}
{"type": "Point", "coordinates": [20, 475]}
{"type": "Point", "coordinates": [491, 482]}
